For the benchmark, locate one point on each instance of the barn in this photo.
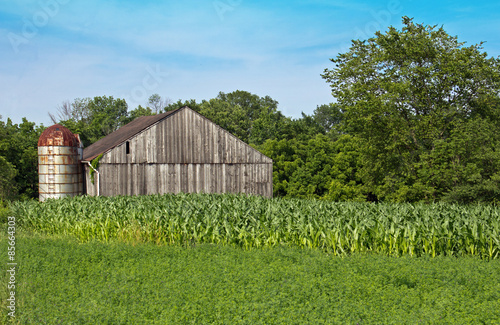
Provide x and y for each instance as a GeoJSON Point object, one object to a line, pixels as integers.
{"type": "Point", "coordinates": [177, 151]}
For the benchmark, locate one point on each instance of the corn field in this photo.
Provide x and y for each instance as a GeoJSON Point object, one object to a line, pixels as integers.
{"type": "Point", "coordinates": [249, 221]}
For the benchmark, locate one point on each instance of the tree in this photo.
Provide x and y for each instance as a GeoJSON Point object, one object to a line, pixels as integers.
{"type": "Point", "coordinates": [7, 180]}
{"type": "Point", "coordinates": [138, 112]}
{"type": "Point", "coordinates": [7, 171]}
{"type": "Point", "coordinates": [92, 118]}
{"type": "Point", "coordinates": [230, 117]}
{"type": "Point", "coordinates": [328, 116]}
{"type": "Point", "coordinates": [18, 159]}
{"type": "Point", "coordinates": [346, 185]}
{"type": "Point", "coordinates": [405, 93]}
{"type": "Point", "coordinates": [107, 115]}
{"type": "Point", "coordinates": [77, 111]}
{"type": "Point", "coordinates": [178, 104]}
{"type": "Point", "coordinates": [251, 118]}
{"type": "Point", "coordinates": [157, 104]}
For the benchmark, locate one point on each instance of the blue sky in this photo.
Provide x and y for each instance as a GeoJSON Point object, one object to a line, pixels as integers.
{"type": "Point", "coordinates": [57, 50]}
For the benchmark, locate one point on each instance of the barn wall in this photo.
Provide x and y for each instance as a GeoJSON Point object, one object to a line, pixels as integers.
{"type": "Point", "coordinates": [140, 179]}
{"type": "Point", "coordinates": [184, 153]}
{"type": "Point", "coordinates": [90, 189]}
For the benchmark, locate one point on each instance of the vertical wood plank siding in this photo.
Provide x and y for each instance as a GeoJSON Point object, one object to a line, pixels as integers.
{"type": "Point", "coordinates": [184, 152]}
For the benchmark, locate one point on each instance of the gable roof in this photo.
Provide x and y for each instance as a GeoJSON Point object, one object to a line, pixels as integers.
{"type": "Point", "coordinates": [122, 134]}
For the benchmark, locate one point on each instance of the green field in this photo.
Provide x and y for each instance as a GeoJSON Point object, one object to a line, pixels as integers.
{"type": "Point", "coordinates": [61, 281]}
{"type": "Point", "coordinates": [227, 259]}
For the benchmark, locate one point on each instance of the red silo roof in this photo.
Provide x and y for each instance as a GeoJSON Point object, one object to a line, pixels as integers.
{"type": "Point", "coordinates": [57, 135]}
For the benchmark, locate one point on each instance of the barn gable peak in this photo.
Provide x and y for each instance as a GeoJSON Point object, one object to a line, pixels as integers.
{"type": "Point", "coordinates": [131, 130]}
{"type": "Point", "coordinates": [122, 134]}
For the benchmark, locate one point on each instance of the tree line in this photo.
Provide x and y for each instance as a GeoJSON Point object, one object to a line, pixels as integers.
{"type": "Point", "coordinates": [416, 118]}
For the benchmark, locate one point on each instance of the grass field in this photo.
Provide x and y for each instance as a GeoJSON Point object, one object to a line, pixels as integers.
{"type": "Point", "coordinates": [61, 281]}
{"type": "Point", "coordinates": [226, 259]}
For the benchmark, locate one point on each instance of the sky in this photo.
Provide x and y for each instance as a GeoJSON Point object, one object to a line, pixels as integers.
{"type": "Point", "coordinates": [52, 51]}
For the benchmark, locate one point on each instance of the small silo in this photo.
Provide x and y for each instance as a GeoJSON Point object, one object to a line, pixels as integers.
{"type": "Point", "coordinates": [59, 167]}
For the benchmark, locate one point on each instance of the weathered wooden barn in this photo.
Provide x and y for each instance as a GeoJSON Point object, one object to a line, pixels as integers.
{"type": "Point", "coordinates": [177, 151]}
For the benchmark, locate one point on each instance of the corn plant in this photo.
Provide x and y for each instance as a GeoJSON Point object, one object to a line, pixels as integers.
{"type": "Point", "coordinates": [250, 221]}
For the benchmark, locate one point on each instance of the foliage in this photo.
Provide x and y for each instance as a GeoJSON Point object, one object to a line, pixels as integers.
{"type": "Point", "coordinates": [93, 118]}
{"type": "Point", "coordinates": [247, 221]}
{"type": "Point", "coordinates": [413, 96]}
{"type": "Point", "coordinates": [473, 174]}
{"type": "Point", "coordinates": [251, 118]}
{"type": "Point", "coordinates": [18, 159]}
{"type": "Point", "coordinates": [315, 168]}
{"type": "Point", "coordinates": [7, 179]}
{"type": "Point", "coordinates": [329, 117]}
{"type": "Point", "coordinates": [346, 185]}
{"type": "Point", "coordinates": [4, 211]}
{"type": "Point", "coordinates": [190, 103]}
{"type": "Point", "coordinates": [63, 282]}
{"type": "Point", "coordinates": [138, 112]}
{"type": "Point", "coordinates": [94, 166]}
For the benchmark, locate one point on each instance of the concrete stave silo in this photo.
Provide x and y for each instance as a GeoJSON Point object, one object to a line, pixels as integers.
{"type": "Point", "coordinates": [59, 163]}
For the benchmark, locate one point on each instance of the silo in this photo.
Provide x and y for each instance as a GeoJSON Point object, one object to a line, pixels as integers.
{"type": "Point", "coordinates": [59, 167]}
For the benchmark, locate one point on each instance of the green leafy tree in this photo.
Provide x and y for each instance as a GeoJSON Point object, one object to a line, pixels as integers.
{"type": "Point", "coordinates": [287, 158]}
{"type": "Point", "coordinates": [251, 118]}
{"type": "Point", "coordinates": [250, 104]}
{"type": "Point", "coordinates": [304, 128]}
{"type": "Point", "coordinates": [232, 118]}
{"type": "Point", "coordinates": [18, 159]}
{"type": "Point", "coordinates": [472, 171]}
{"type": "Point", "coordinates": [329, 118]}
{"type": "Point", "coordinates": [405, 93]}
{"type": "Point", "coordinates": [8, 174]}
{"type": "Point", "coordinates": [346, 184]}
{"type": "Point", "coordinates": [107, 115]}
{"type": "Point", "coordinates": [316, 168]}
{"type": "Point", "coordinates": [93, 118]}
{"type": "Point", "coordinates": [178, 104]}
{"type": "Point", "coordinates": [138, 112]}
{"type": "Point", "coordinates": [311, 180]}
